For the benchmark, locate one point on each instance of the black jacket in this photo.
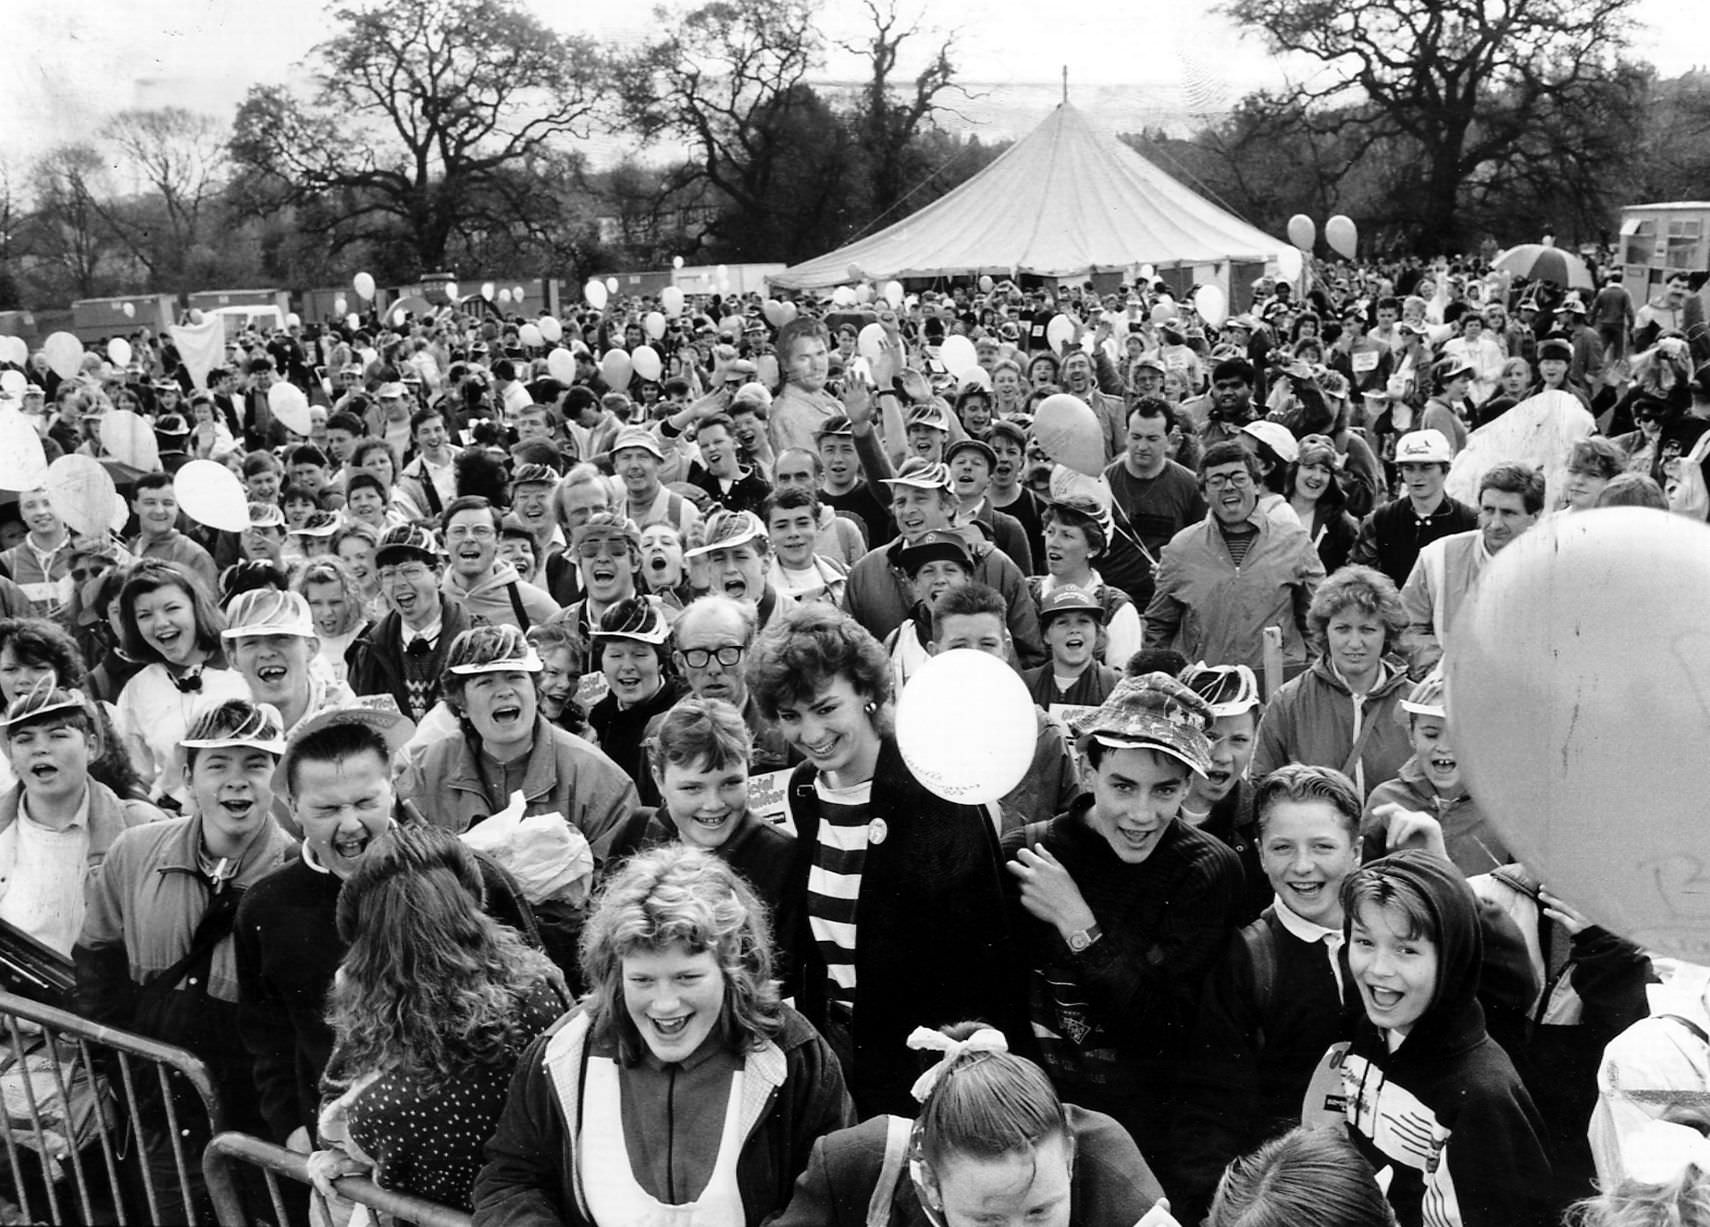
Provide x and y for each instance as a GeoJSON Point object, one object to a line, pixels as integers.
{"type": "Point", "coordinates": [376, 656]}
{"type": "Point", "coordinates": [1392, 536]}
{"type": "Point", "coordinates": [933, 938]}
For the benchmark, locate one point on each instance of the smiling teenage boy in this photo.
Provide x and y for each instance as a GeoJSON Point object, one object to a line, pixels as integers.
{"type": "Point", "coordinates": [1124, 910]}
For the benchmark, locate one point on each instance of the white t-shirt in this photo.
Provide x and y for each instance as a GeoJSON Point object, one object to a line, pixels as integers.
{"type": "Point", "coordinates": [41, 878]}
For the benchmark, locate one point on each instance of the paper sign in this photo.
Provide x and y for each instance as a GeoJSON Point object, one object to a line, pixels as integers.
{"type": "Point", "coordinates": [591, 689]}
{"type": "Point", "coordinates": [767, 793]}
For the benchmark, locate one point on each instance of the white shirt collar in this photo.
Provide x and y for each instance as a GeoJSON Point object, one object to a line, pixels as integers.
{"type": "Point", "coordinates": [79, 820]}
{"type": "Point", "coordinates": [1306, 930]}
{"type": "Point", "coordinates": [430, 632]}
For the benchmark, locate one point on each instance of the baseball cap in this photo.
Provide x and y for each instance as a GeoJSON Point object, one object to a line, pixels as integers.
{"type": "Point", "coordinates": [922, 474]}
{"type": "Point", "coordinates": [1275, 436]}
{"type": "Point", "coordinates": [1423, 447]}
{"type": "Point", "coordinates": [971, 445]}
{"type": "Point", "coordinates": [390, 391]}
{"type": "Point", "coordinates": [726, 529]}
{"type": "Point", "coordinates": [1452, 368]}
{"type": "Point", "coordinates": [268, 611]}
{"type": "Point", "coordinates": [266, 515]}
{"type": "Point", "coordinates": [40, 701]}
{"type": "Point", "coordinates": [604, 524]}
{"type": "Point", "coordinates": [637, 436]}
{"type": "Point", "coordinates": [936, 546]}
{"type": "Point", "coordinates": [1069, 600]}
{"type": "Point", "coordinates": [1153, 712]}
{"type": "Point", "coordinates": [930, 415]}
{"type": "Point", "coordinates": [378, 711]}
{"type": "Point", "coordinates": [404, 542]}
{"type": "Point", "coordinates": [317, 524]}
{"type": "Point", "coordinates": [1425, 699]}
{"type": "Point", "coordinates": [835, 426]}
{"type": "Point", "coordinates": [491, 649]}
{"type": "Point", "coordinates": [1555, 347]}
{"type": "Point", "coordinates": [1014, 431]}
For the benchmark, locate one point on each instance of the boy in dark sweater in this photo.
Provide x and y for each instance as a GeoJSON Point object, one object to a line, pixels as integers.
{"type": "Point", "coordinates": [1427, 1093]}
{"type": "Point", "coordinates": [1280, 997]}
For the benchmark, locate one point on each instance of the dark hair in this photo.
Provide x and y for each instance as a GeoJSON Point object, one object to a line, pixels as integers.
{"type": "Point", "coordinates": [1233, 368]}
{"type": "Point", "coordinates": [697, 730]}
{"type": "Point", "coordinates": [470, 502]}
{"type": "Point", "coordinates": [1401, 892]}
{"type": "Point", "coordinates": [810, 646]}
{"type": "Point", "coordinates": [792, 498]}
{"type": "Point", "coordinates": [1155, 660]}
{"type": "Point", "coordinates": [800, 328]}
{"type": "Point", "coordinates": [1312, 1176]}
{"type": "Point", "coordinates": [308, 453]}
{"type": "Point", "coordinates": [347, 422]}
{"type": "Point", "coordinates": [362, 479]}
{"type": "Point", "coordinates": [150, 575]}
{"type": "Point", "coordinates": [333, 743]}
{"type": "Point", "coordinates": [151, 481]}
{"type": "Point", "coordinates": [1229, 451]}
{"type": "Point", "coordinates": [1151, 407]}
{"type": "Point", "coordinates": [258, 462]}
{"type": "Point", "coordinates": [970, 600]}
{"type": "Point", "coordinates": [1521, 479]}
{"type": "Point", "coordinates": [425, 414]}
{"type": "Point", "coordinates": [294, 493]}
{"type": "Point", "coordinates": [986, 1105]}
{"type": "Point", "coordinates": [1597, 456]}
{"type": "Point", "coordinates": [1071, 517]}
{"type": "Point", "coordinates": [721, 420]}
{"type": "Point", "coordinates": [1300, 783]}
{"type": "Point", "coordinates": [250, 574]}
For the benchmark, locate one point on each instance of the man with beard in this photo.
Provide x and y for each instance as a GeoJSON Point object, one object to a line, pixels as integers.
{"type": "Point", "coordinates": [488, 587]}
{"type": "Point", "coordinates": [403, 653]}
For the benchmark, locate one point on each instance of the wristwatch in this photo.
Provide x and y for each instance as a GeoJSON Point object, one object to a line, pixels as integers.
{"type": "Point", "coordinates": [1080, 941]}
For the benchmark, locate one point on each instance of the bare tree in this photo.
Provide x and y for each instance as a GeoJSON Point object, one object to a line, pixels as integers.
{"type": "Point", "coordinates": [172, 166]}
{"type": "Point", "coordinates": [67, 231]}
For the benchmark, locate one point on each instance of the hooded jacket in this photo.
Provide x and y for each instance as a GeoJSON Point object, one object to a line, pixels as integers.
{"type": "Point", "coordinates": [1313, 719]}
{"type": "Point", "coordinates": [1445, 1109]}
{"type": "Point", "coordinates": [493, 600]}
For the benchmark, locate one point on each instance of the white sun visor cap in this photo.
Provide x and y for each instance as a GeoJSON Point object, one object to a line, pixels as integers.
{"type": "Point", "coordinates": [267, 611]}
{"type": "Point", "coordinates": [491, 649]}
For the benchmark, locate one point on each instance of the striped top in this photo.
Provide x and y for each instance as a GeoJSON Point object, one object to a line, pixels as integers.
{"type": "Point", "coordinates": [834, 881]}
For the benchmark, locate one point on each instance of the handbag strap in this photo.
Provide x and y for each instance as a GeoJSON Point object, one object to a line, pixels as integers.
{"type": "Point", "coordinates": [1359, 747]}
{"type": "Point", "coordinates": [897, 1130]}
{"type": "Point", "coordinates": [215, 925]}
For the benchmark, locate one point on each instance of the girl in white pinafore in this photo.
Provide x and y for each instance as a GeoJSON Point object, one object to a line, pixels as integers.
{"type": "Point", "coordinates": [681, 1092]}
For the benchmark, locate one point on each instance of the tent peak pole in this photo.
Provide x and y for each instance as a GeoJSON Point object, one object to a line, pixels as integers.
{"type": "Point", "coordinates": [1065, 82]}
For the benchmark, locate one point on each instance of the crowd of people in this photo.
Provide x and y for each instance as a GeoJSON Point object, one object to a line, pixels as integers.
{"type": "Point", "coordinates": [514, 810]}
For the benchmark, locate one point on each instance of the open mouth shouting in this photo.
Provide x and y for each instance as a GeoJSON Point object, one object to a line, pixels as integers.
{"type": "Point", "coordinates": [272, 676]}
{"type": "Point", "coordinates": [350, 845]}
{"type": "Point", "coordinates": [736, 587]}
{"type": "Point", "coordinates": [507, 715]}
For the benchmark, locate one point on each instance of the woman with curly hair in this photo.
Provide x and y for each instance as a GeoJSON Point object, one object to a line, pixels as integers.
{"type": "Point", "coordinates": [1314, 489]}
{"type": "Point", "coordinates": [1341, 712]}
{"type": "Point", "coordinates": [354, 546]}
{"type": "Point", "coordinates": [431, 1009]}
{"type": "Point", "coordinates": [32, 649]}
{"type": "Point", "coordinates": [907, 923]}
{"type": "Point", "coordinates": [681, 1089]}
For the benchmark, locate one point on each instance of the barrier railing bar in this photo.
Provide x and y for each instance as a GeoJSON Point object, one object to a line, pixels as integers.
{"type": "Point", "coordinates": [133, 1114]}
{"type": "Point", "coordinates": [17, 1169]}
{"type": "Point", "coordinates": [272, 1158]}
{"type": "Point", "coordinates": [29, 1085]}
{"type": "Point", "coordinates": [52, 1041]}
{"type": "Point", "coordinates": [175, 1137]}
{"type": "Point", "coordinates": [107, 1154]}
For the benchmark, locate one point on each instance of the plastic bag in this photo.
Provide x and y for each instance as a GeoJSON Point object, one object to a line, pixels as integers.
{"type": "Point", "coordinates": [71, 1102]}
{"type": "Point", "coordinates": [549, 858]}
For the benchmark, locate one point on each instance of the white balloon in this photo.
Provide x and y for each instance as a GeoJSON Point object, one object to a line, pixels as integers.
{"type": "Point", "coordinates": [871, 342]}
{"type": "Point", "coordinates": [363, 284]}
{"type": "Point", "coordinates": [1289, 264]}
{"type": "Point", "coordinates": [504, 297]}
{"type": "Point", "coordinates": [529, 335]}
{"type": "Point", "coordinates": [130, 310]}
{"type": "Point", "coordinates": [671, 298]}
{"type": "Point", "coordinates": [13, 383]}
{"type": "Point", "coordinates": [290, 406]}
{"type": "Point", "coordinates": [119, 351]}
{"type": "Point", "coordinates": [646, 361]}
{"type": "Point", "coordinates": [894, 293]}
{"type": "Point", "coordinates": [676, 261]}
{"type": "Point", "coordinates": [561, 365]}
{"type": "Point", "coordinates": [595, 293]}
{"type": "Point", "coordinates": [211, 494]}
{"type": "Point", "coordinates": [23, 463]}
{"type": "Point", "coordinates": [612, 284]}
{"type": "Point", "coordinates": [82, 493]}
{"type": "Point", "coordinates": [1060, 331]}
{"type": "Point", "coordinates": [551, 331]}
{"type": "Point", "coordinates": [987, 706]}
{"type": "Point", "coordinates": [353, 321]}
{"type": "Point", "coordinates": [64, 353]}
{"type": "Point", "coordinates": [615, 369]}
{"type": "Point", "coordinates": [451, 291]}
{"type": "Point", "coordinates": [488, 290]}
{"type": "Point", "coordinates": [339, 305]}
{"type": "Point", "coordinates": [1212, 305]}
{"type": "Point", "coordinates": [653, 324]}
{"type": "Point", "coordinates": [128, 437]}
{"type": "Point", "coordinates": [958, 355]}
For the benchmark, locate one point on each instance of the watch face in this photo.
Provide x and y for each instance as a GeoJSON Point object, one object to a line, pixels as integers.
{"type": "Point", "coordinates": [1078, 942]}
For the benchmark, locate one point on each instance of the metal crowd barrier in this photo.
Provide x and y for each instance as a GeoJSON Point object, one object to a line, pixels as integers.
{"type": "Point", "coordinates": [74, 1095]}
{"type": "Point", "coordinates": [227, 1150]}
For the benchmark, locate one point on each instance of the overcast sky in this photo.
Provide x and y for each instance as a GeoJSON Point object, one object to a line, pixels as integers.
{"type": "Point", "coordinates": [78, 64]}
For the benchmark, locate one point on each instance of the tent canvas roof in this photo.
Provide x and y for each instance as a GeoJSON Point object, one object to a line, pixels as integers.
{"type": "Point", "coordinates": [1064, 201]}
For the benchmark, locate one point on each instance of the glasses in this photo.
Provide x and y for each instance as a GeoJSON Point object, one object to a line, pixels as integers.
{"type": "Point", "coordinates": [1224, 481]}
{"type": "Point", "coordinates": [697, 658]}
{"type": "Point", "coordinates": [410, 573]}
{"type": "Point", "coordinates": [465, 532]}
